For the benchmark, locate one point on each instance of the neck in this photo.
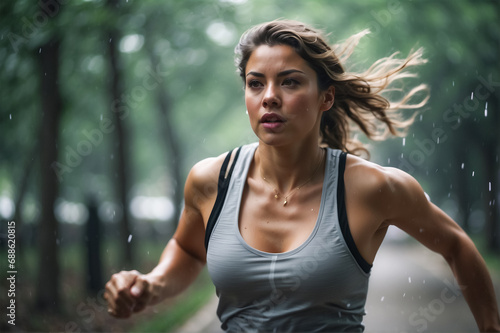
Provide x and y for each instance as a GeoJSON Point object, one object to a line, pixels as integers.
{"type": "Point", "coordinates": [287, 168]}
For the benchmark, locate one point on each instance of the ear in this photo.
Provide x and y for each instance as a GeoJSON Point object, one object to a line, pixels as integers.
{"type": "Point", "coordinates": [328, 97]}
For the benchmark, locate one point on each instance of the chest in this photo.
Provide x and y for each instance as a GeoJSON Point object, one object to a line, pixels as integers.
{"type": "Point", "coordinates": [268, 225]}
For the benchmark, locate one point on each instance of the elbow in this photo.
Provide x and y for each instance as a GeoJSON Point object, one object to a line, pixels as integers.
{"type": "Point", "coordinates": [459, 246]}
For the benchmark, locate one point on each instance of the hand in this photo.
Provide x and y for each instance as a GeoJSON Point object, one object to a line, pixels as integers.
{"type": "Point", "coordinates": [127, 292]}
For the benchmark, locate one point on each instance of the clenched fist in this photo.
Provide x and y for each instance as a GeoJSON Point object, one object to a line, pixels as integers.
{"type": "Point", "coordinates": [127, 292]}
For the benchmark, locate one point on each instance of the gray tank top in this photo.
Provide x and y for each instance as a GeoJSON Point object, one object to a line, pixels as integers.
{"type": "Point", "coordinates": [321, 286]}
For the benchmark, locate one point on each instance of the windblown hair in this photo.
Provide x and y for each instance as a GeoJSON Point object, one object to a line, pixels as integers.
{"type": "Point", "coordinates": [359, 104]}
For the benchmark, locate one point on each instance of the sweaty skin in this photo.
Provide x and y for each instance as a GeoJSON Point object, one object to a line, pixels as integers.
{"type": "Point", "coordinates": [284, 108]}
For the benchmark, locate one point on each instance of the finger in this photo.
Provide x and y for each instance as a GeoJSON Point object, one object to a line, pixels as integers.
{"type": "Point", "coordinates": [140, 290]}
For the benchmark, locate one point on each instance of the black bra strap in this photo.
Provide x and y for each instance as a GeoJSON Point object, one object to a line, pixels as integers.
{"type": "Point", "coordinates": [342, 214]}
{"type": "Point", "coordinates": [222, 188]}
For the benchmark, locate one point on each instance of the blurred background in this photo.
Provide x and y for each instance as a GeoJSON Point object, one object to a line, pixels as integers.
{"type": "Point", "coordinates": [106, 105]}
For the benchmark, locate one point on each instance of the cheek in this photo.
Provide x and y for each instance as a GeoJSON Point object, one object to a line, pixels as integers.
{"type": "Point", "coordinates": [252, 104]}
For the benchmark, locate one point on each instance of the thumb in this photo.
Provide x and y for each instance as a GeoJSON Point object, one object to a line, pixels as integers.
{"type": "Point", "coordinates": [138, 287]}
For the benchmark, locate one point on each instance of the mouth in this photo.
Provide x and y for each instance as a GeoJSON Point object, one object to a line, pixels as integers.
{"type": "Point", "coordinates": [271, 118]}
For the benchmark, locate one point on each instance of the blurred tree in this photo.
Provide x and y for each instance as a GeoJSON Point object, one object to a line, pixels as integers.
{"type": "Point", "coordinates": [48, 229]}
{"type": "Point", "coordinates": [122, 136]}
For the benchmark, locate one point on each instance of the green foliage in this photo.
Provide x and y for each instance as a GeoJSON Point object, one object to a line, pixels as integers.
{"type": "Point", "coordinates": [193, 43]}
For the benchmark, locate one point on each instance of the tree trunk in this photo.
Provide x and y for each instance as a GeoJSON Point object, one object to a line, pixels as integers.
{"type": "Point", "coordinates": [121, 182]}
{"type": "Point", "coordinates": [48, 263]}
{"type": "Point", "coordinates": [93, 245]}
{"type": "Point", "coordinates": [492, 165]}
{"type": "Point", "coordinates": [170, 137]}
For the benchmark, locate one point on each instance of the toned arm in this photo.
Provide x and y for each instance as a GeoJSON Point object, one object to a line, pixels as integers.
{"type": "Point", "coordinates": [183, 257]}
{"type": "Point", "coordinates": [396, 198]}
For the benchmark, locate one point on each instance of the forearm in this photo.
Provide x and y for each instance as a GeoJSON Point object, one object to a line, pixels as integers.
{"type": "Point", "coordinates": [175, 271]}
{"type": "Point", "coordinates": [474, 279]}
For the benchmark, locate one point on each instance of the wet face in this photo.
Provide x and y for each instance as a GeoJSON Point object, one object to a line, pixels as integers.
{"type": "Point", "coordinates": [282, 97]}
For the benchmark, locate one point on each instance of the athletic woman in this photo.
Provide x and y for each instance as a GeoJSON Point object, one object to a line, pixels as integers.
{"type": "Point", "coordinates": [290, 236]}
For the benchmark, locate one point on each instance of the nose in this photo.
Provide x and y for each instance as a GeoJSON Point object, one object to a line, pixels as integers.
{"type": "Point", "coordinates": [271, 97]}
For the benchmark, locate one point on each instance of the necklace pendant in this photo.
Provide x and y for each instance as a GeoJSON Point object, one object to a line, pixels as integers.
{"type": "Point", "coordinates": [276, 196]}
{"type": "Point", "coordinates": [285, 202]}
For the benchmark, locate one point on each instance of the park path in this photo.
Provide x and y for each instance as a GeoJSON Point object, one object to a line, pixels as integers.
{"type": "Point", "coordinates": [411, 290]}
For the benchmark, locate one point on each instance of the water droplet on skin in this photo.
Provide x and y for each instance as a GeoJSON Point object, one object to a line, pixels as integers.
{"type": "Point", "coordinates": [129, 238]}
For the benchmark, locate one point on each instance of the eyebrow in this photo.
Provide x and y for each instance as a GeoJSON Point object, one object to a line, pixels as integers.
{"type": "Point", "coordinates": [283, 73]}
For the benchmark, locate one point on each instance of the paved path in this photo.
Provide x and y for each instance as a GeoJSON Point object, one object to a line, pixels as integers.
{"type": "Point", "coordinates": [411, 290]}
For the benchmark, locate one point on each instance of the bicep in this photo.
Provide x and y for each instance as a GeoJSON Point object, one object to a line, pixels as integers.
{"type": "Point", "coordinates": [199, 196]}
{"type": "Point", "coordinates": [190, 233]}
{"type": "Point", "coordinates": [421, 219]}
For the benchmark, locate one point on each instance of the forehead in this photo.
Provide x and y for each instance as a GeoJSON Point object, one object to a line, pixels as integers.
{"type": "Point", "coordinates": [275, 58]}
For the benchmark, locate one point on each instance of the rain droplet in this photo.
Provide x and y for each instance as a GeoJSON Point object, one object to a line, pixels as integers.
{"type": "Point", "coordinates": [489, 186]}
{"type": "Point", "coordinates": [437, 141]}
{"type": "Point", "coordinates": [472, 173]}
{"type": "Point", "coordinates": [486, 110]}
{"type": "Point", "coordinates": [421, 230]}
{"type": "Point", "coordinates": [10, 116]}
{"type": "Point", "coordinates": [382, 299]}
{"type": "Point", "coordinates": [472, 95]}
{"type": "Point", "coordinates": [389, 160]}
{"type": "Point", "coordinates": [409, 279]}
{"type": "Point", "coordinates": [40, 50]}
{"type": "Point", "coordinates": [129, 238]}
{"type": "Point", "coordinates": [421, 117]}
{"type": "Point", "coordinates": [101, 117]}
{"type": "Point", "coordinates": [404, 294]}
{"type": "Point", "coordinates": [348, 305]}
{"type": "Point", "coordinates": [453, 83]}
{"type": "Point", "coordinates": [404, 142]}
{"type": "Point", "coordinates": [463, 165]}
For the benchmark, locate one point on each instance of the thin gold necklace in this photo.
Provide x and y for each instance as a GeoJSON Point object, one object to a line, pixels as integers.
{"type": "Point", "coordinates": [277, 193]}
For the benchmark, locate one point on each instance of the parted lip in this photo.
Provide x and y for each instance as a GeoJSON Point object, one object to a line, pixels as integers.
{"type": "Point", "coordinates": [271, 118]}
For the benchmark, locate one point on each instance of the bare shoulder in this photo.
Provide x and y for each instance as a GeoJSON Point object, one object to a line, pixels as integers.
{"type": "Point", "coordinates": [382, 188]}
{"type": "Point", "coordinates": [201, 184]}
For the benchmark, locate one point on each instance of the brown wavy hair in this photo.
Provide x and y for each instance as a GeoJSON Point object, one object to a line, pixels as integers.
{"type": "Point", "coordinates": [359, 104]}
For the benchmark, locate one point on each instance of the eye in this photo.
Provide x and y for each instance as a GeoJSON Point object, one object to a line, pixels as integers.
{"type": "Point", "coordinates": [254, 84]}
{"type": "Point", "coordinates": [290, 82]}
